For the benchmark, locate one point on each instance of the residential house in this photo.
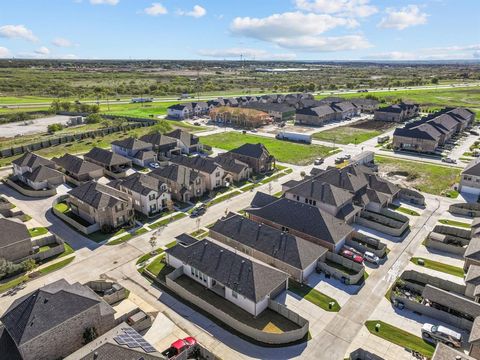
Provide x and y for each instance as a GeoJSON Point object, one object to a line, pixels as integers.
{"type": "Point", "coordinates": [140, 152]}
{"type": "Point", "coordinates": [50, 322]}
{"type": "Point", "coordinates": [214, 175]}
{"type": "Point", "coordinates": [345, 110]}
{"type": "Point", "coordinates": [244, 282]}
{"type": "Point", "coordinates": [302, 220]}
{"type": "Point", "coordinates": [473, 341]}
{"type": "Point", "coordinates": [165, 146]}
{"type": "Point", "coordinates": [279, 112]}
{"type": "Point", "coordinates": [101, 204]}
{"type": "Point", "coordinates": [470, 178]}
{"type": "Point", "coordinates": [180, 111]}
{"type": "Point", "coordinates": [315, 116]}
{"type": "Point", "coordinates": [78, 170]}
{"type": "Point", "coordinates": [365, 105]}
{"type": "Point", "coordinates": [239, 170]}
{"type": "Point", "coordinates": [183, 183]}
{"type": "Point", "coordinates": [232, 102]}
{"type": "Point", "coordinates": [15, 240]}
{"type": "Point", "coordinates": [115, 165]}
{"type": "Point", "coordinates": [445, 352]}
{"type": "Point", "coordinates": [148, 193]}
{"type": "Point", "coordinates": [255, 155]}
{"type": "Point", "coordinates": [431, 132]}
{"type": "Point", "coordinates": [286, 252]}
{"type": "Point", "coordinates": [397, 112]}
{"type": "Point", "coordinates": [121, 343]}
{"type": "Point", "coordinates": [36, 172]}
{"type": "Point", "coordinates": [188, 143]}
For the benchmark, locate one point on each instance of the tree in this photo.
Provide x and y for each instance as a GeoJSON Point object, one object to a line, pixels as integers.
{"type": "Point", "coordinates": [153, 243]}
{"type": "Point", "coordinates": [435, 80]}
{"type": "Point", "coordinates": [93, 119]}
{"type": "Point", "coordinates": [302, 174]}
{"type": "Point", "coordinates": [54, 127]}
{"type": "Point", "coordinates": [29, 264]}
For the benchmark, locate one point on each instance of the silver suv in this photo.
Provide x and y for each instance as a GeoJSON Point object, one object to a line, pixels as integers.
{"type": "Point", "coordinates": [434, 333]}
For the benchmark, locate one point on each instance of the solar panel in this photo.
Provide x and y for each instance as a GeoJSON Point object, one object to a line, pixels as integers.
{"type": "Point", "coordinates": [133, 339]}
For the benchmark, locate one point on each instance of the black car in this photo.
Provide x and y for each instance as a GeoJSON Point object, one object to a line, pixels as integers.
{"type": "Point", "coordinates": [199, 211]}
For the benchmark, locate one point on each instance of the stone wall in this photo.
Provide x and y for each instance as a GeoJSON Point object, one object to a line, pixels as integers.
{"type": "Point", "coordinates": [412, 197]}
{"type": "Point", "coordinates": [57, 249]}
{"type": "Point", "coordinates": [339, 274]}
{"type": "Point", "coordinates": [359, 240]}
{"type": "Point", "coordinates": [385, 221]}
{"type": "Point", "coordinates": [84, 229]}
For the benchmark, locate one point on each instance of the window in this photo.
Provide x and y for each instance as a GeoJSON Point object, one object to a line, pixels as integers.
{"type": "Point", "coordinates": [153, 207]}
{"type": "Point", "coordinates": [151, 197]}
{"type": "Point", "coordinates": [315, 202]}
{"type": "Point", "coordinates": [217, 174]}
{"type": "Point", "coordinates": [192, 270]}
{"type": "Point", "coordinates": [234, 294]}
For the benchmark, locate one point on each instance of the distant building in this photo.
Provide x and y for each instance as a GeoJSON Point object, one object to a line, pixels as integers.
{"type": "Point", "coordinates": [279, 112]}
{"type": "Point", "coordinates": [140, 152]}
{"type": "Point", "coordinates": [397, 112]}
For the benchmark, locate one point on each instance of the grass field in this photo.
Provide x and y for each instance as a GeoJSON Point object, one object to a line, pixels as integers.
{"type": "Point", "coordinates": [400, 337]}
{"type": "Point", "coordinates": [284, 151]}
{"type": "Point", "coordinates": [346, 135]}
{"type": "Point", "coordinates": [455, 223]}
{"type": "Point", "coordinates": [438, 266]}
{"type": "Point", "coordinates": [432, 99]}
{"type": "Point", "coordinates": [425, 177]}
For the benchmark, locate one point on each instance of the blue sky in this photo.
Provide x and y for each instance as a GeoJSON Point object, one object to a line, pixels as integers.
{"type": "Point", "coordinates": [255, 29]}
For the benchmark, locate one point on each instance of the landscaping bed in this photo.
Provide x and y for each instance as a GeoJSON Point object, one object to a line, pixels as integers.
{"type": "Point", "coordinates": [455, 223]}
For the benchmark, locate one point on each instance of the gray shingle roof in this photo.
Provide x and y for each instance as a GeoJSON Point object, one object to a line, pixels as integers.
{"type": "Point", "coordinates": [229, 164]}
{"type": "Point", "coordinates": [473, 168]}
{"type": "Point", "coordinates": [304, 218]}
{"type": "Point", "coordinates": [42, 173]}
{"type": "Point", "coordinates": [12, 232]}
{"type": "Point", "coordinates": [200, 163]}
{"type": "Point", "coordinates": [261, 199]}
{"type": "Point", "coordinates": [159, 140]}
{"type": "Point", "coordinates": [75, 165]}
{"type": "Point", "coordinates": [287, 248]}
{"type": "Point", "coordinates": [106, 157]}
{"type": "Point", "coordinates": [251, 150]}
{"type": "Point", "coordinates": [32, 160]}
{"type": "Point", "coordinates": [38, 312]}
{"type": "Point", "coordinates": [176, 173]}
{"type": "Point", "coordinates": [445, 352]}
{"type": "Point", "coordinates": [132, 143]}
{"type": "Point", "coordinates": [184, 136]}
{"type": "Point", "coordinates": [109, 351]}
{"type": "Point", "coordinates": [321, 191]}
{"type": "Point", "coordinates": [451, 300]}
{"type": "Point", "coordinates": [139, 183]}
{"type": "Point", "coordinates": [97, 195]}
{"type": "Point", "coordinates": [244, 276]}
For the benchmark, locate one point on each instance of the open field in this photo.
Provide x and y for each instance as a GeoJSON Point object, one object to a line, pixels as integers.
{"type": "Point", "coordinates": [432, 99]}
{"type": "Point", "coordinates": [425, 177]}
{"type": "Point", "coordinates": [284, 151]}
{"type": "Point", "coordinates": [355, 133]}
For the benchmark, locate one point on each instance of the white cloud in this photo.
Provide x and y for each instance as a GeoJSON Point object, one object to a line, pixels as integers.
{"type": "Point", "coordinates": [246, 53]}
{"type": "Point", "coordinates": [43, 50]}
{"type": "Point", "coordinates": [62, 42]}
{"type": "Point", "coordinates": [4, 52]}
{"type": "Point", "coordinates": [196, 12]}
{"type": "Point", "coordinates": [104, 2]}
{"type": "Point", "coordinates": [355, 8]}
{"type": "Point", "coordinates": [400, 19]}
{"type": "Point", "coordinates": [17, 32]}
{"type": "Point", "coordinates": [156, 9]}
{"type": "Point", "coordinates": [297, 30]}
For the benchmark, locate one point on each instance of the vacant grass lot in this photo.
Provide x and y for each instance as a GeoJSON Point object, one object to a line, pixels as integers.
{"type": "Point", "coordinates": [346, 135]}
{"type": "Point", "coordinates": [400, 337]}
{"type": "Point", "coordinates": [425, 177]}
{"type": "Point", "coordinates": [284, 151]}
{"type": "Point", "coordinates": [438, 266]}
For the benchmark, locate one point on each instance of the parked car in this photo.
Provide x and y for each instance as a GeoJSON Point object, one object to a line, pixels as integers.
{"type": "Point", "coordinates": [350, 255]}
{"type": "Point", "coordinates": [473, 132]}
{"type": "Point", "coordinates": [154, 165]}
{"type": "Point", "coordinates": [347, 156]}
{"type": "Point", "coordinates": [319, 161]}
{"type": "Point", "coordinates": [371, 257]}
{"type": "Point", "coordinates": [254, 130]}
{"type": "Point", "coordinates": [339, 160]}
{"type": "Point", "coordinates": [179, 346]}
{"type": "Point", "coordinates": [449, 160]}
{"type": "Point", "coordinates": [199, 211]}
{"type": "Point", "coordinates": [434, 333]}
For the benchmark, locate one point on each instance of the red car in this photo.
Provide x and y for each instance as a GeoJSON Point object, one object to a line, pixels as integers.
{"type": "Point", "coordinates": [350, 255]}
{"type": "Point", "coordinates": [179, 346]}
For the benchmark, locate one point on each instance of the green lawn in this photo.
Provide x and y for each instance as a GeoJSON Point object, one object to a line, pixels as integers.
{"type": "Point", "coordinates": [62, 207]}
{"type": "Point", "coordinates": [425, 177]}
{"type": "Point", "coordinates": [314, 296]}
{"type": "Point", "coordinates": [156, 265]}
{"type": "Point", "coordinates": [141, 231]}
{"type": "Point", "coordinates": [400, 337]}
{"type": "Point", "coordinates": [148, 255]}
{"type": "Point", "coordinates": [221, 198]}
{"type": "Point", "coordinates": [120, 240]}
{"type": "Point", "coordinates": [284, 151]}
{"type": "Point", "coordinates": [455, 223]}
{"type": "Point", "coordinates": [346, 135]}
{"type": "Point", "coordinates": [99, 236]}
{"type": "Point", "coordinates": [404, 210]}
{"type": "Point", "coordinates": [48, 269]}
{"type": "Point", "coordinates": [12, 283]}
{"type": "Point", "coordinates": [37, 231]}
{"type": "Point", "coordinates": [438, 266]}
{"type": "Point", "coordinates": [171, 244]}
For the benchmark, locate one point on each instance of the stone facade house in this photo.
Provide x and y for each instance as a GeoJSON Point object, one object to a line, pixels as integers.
{"type": "Point", "coordinates": [183, 183]}
{"type": "Point", "coordinates": [101, 204]}
{"type": "Point", "coordinates": [50, 322]}
{"type": "Point", "coordinates": [256, 156]}
{"type": "Point", "coordinates": [15, 241]}
{"type": "Point", "coordinates": [148, 194]}
{"type": "Point", "coordinates": [397, 112]}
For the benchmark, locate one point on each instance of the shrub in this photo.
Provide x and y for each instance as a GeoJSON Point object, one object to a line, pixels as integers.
{"type": "Point", "coordinates": [54, 127]}
{"type": "Point", "coordinates": [93, 119]}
